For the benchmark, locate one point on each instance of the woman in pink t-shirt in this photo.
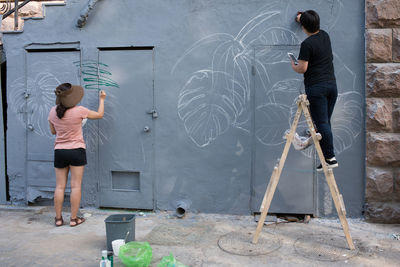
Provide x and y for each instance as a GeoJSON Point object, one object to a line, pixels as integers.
{"type": "Point", "coordinates": [65, 121]}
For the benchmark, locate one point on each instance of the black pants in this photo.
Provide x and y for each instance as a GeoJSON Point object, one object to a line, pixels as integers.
{"type": "Point", "coordinates": [322, 97]}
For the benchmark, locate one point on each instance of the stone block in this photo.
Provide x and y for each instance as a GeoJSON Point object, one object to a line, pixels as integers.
{"type": "Point", "coordinates": [383, 149]}
{"type": "Point", "coordinates": [379, 185]}
{"type": "Point", "coordinates": [382, 212]}
{"type": "Point", "coordinates": [379, 114]}
{"type": "Point", "coordinates": [379, 45]}
{"type": "Point", "coordinates": [383, 80]}
{"type": "Point", "coordinates": [396, 45]}
{"type": "Point", "coordinates": [396, 114]}
{"type": "Point", "coordinates": [381, 14]}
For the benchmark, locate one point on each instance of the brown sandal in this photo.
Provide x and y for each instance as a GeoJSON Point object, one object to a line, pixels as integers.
{"type": "Point", "coordinates": [76, 221]}
{"type": "Point", "coordinates": [56, 220]}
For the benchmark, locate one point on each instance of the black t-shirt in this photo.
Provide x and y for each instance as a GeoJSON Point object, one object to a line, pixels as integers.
{"type": "Point", "coordinates": [317, 50]}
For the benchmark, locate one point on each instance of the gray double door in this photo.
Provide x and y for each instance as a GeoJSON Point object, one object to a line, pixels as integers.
{"type": "Point", "coordinates": [126, 131]}
{"type": "Point", "coordinates": [119, 146]}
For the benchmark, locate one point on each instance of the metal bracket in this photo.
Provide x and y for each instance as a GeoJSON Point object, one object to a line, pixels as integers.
{"type": "Point", "coordinates": [153, 113]}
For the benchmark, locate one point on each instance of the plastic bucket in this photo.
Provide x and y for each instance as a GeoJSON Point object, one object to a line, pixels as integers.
{"type": "Point", "coordinates": [117, 226]}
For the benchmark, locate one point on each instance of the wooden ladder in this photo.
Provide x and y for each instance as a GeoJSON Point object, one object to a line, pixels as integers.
{"type": "Point", "coordinates": [302, 106]}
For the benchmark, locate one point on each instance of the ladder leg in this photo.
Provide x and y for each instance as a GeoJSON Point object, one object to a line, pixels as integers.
{"type": "Point", "coordinates": [268, 191]}
{"type": "Point", "coordinates": [340, 208]}
{"type": "Point", "coordinates": [336, 196]}
{"type": "Point", "coordinates": [268, 199]}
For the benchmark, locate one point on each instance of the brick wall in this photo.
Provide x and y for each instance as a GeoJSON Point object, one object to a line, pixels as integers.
{"type": "Point", "coordinates": [382, 39]}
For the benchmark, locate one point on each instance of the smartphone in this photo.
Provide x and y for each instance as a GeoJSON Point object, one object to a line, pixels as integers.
{"type": "Point", "coordinates": [292, 57]}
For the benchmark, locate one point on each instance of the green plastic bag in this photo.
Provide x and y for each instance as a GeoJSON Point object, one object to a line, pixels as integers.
{"type": "Point", "coordinates": [136, 254]}
{"type": "Point", "coordinates": [170, 261]}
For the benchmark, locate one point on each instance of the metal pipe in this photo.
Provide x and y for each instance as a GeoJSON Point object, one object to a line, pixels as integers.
{"type": "Point", "coordinates": [16, 15]}
{"type": "Point", "coordinates": [181, 207]}
{"type": "Point", "coordinates": [85, 13]}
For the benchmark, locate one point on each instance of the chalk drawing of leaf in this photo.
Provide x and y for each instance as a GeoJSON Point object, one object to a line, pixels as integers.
{"type": "Point", "coordinates": [255, 27]}
{"type": "Point", "coordinates": [275, 36]}
{"type": "Point", "coordinates": [228, 60]}
{"type": "Point", "coordinates": [274, 125]}
{"type": "Point", "coordinates": [285, 90]}
{"type": "Point", "coordinates": [239, 82]}
{"type": "Point", "coordinates": [206, 106]}
{"type": "Point", "coordinates": [95, 75]}
{"type": "Point", "coordinates": [217, 40]}
{"type": "Point", "coordinates": [347, 120]}
{"type": "Point", "coordinates": [93, 134]}
{"type": "Point", "coordinates": [275, 50]}
{"type": "Point", "coordinates": [277, 115]}
{"type": "Point", "coordinates": [41, 99]}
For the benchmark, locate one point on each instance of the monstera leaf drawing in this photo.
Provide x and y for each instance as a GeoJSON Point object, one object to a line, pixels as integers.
{"type": "Point", "coordinates": [276, 115]}
{"type": "Point", "coordinates": [274, 125]}
{"type": "Point", "coordinates": [206, 106]}
{"type": "Point", "coordinates": [218, 95]}
{"type": "Point", "coordinates": [285, 90]}
{"type": "Point", "coordinates": [347, 120]}
{"type": "Point", "coordinates": [274, 36]}
{"type": "Point", "coordinates": [40, 100]}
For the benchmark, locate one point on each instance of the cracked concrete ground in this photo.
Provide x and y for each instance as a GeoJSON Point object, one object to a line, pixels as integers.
{"type": "Point", "coordinates": [28, 237]}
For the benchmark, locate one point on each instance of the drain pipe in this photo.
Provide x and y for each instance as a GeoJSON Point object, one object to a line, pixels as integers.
{"type": "Point", "coordinates": [181, 207]}
{"type": "Point", "coordinates": [85, 13]}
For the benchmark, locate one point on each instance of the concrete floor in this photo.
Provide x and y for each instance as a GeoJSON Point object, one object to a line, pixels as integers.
{"type": "Point", "coordinates": [28, 238]}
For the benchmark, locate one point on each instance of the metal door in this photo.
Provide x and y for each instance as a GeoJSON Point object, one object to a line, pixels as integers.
{"type": "Point", "coordinates": [126, 155]}
{"type": "Point", "coordinates": [45, 71]}
{"type": "Point", "coordinates": [276, 89]}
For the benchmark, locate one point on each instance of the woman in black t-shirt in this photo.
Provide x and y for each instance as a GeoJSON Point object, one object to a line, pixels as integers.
{"type": "Point", "coordinates": [315, 62]}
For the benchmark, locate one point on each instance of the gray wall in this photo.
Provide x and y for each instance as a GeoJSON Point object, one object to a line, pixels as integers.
{"type": "Point", "coordinates": [222, 105]}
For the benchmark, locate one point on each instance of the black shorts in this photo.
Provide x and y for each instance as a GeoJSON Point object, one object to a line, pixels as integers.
{"type": "Point", "coordinates": [66, 157]}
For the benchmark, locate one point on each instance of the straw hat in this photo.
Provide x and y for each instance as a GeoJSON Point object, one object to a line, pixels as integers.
{"type": "Point", "coordinates": [68, 95]}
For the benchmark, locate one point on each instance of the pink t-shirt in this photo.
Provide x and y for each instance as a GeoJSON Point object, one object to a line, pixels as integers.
{"type": "Point", "coordinates": [69, 128]}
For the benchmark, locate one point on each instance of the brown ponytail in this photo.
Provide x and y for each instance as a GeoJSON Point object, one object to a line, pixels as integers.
{"type": "Point", "coordinates": [60, 91]}
{"type": "Point", "coordinates": [60, 109]}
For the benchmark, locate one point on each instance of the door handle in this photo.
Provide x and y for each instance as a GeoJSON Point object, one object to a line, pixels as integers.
{"type": "Point", "coordinates": [146, 129]}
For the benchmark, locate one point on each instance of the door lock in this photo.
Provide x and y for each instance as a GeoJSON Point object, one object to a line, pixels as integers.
{"type": "Point", "coordinates": [146, 129]}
